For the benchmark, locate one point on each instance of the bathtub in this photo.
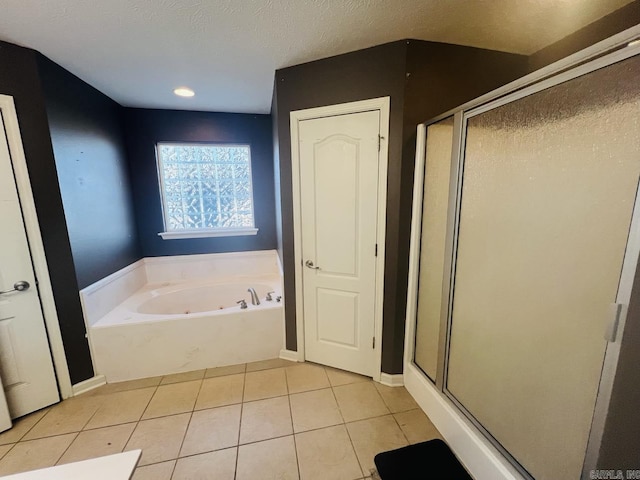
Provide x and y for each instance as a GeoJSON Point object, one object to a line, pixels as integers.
{"type": "Point", "coordinates": [187, 320]}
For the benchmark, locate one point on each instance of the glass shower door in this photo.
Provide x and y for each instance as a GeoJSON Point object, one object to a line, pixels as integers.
{"type": "Point", "coordinates": [547, 195]}
{"type": "Point", "coordinates": [435, 203]}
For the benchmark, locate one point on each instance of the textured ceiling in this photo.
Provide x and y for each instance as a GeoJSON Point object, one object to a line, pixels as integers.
{"type": "Point", "coordinates": [137, 51]}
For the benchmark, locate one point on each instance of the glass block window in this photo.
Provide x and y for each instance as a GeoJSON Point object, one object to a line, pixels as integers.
{"type": "Point", "coordinates": [205, 187]}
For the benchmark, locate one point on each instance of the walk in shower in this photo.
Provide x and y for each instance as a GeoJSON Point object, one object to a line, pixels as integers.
{"type": "Point", "coordinates": [524, 249]}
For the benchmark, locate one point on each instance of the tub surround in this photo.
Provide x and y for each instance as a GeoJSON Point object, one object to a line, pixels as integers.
{"type": "Point", "coordinates": [127, 344]}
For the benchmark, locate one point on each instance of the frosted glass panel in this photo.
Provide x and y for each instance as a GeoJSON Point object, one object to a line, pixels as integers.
{"type": "Point", "coordinates": [432, 244]}
{"type": "Point", "coordinates": [548, 190]}
{"type": "Point", "coordinates": [206, 186]}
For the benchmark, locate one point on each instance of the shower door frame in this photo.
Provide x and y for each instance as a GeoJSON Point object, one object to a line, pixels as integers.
{"type": "Point", "coordinates": [601, 55]}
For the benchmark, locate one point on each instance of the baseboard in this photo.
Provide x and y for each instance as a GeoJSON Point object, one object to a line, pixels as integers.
{"type": "Point", "coordinates": [290, 355]}
{"type": "Point", "coordinates": [390, 380]}
{"type": "Point", "coordinates": [89, 384]}
{"type": "Point", "coordinates": [480, 458]}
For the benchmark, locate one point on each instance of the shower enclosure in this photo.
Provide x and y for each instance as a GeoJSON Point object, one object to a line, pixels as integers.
{"type": "Point", "coordinates": [525, 246]}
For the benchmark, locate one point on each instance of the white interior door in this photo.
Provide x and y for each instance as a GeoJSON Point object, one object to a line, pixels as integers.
{"type": "Point", "coordinates": [339, 196]}
{"type": "Point", "coordinates": [26, 367]}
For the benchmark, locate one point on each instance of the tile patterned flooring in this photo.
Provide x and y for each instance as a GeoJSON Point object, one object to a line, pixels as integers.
{"type": "Point", "coordinates": [264, 420]}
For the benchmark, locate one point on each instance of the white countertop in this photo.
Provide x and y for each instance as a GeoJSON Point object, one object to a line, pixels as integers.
{"type": "Point", "coordinates": [112, 467]}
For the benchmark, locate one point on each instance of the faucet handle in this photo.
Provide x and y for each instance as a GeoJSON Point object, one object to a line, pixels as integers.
{"type": "Point", "coordinates": [269, 297]}
{"type": "Point", "coordinates": [243, 303]}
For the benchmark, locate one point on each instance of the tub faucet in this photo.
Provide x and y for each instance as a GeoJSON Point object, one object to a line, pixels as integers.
{"type": "Point", "coordinates": [254, 296]}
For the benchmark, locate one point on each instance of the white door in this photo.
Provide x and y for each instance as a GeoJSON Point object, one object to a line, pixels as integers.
{"type": "Point", "coordinates": [26, 367]}
{"type": "Point", "coordinates": [339, 201]}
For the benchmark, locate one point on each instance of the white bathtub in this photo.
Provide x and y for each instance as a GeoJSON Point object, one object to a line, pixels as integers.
{"type": "Point", "coordinates": [186, 322]}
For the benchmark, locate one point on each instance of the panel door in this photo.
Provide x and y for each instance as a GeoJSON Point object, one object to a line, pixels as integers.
{"type": "Point", "coordinates": [339, 190]}
{"type": "Point", "coordinates": [26, 367]}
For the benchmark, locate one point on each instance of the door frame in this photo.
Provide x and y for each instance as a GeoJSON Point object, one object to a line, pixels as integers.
{"type": "Point", "coordinates": [382, 105]}
{"type": "Point", "coordinates": [36, 246]}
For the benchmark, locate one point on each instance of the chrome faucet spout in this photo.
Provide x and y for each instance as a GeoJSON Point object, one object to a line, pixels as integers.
{"type": "Point", "coordinates": [254, 296]}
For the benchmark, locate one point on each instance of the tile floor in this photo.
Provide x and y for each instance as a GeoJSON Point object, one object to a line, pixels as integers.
{"type": "Point", "coordinates": [265, 420]}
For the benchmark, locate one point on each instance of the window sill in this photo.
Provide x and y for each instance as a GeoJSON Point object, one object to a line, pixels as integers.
{"type": "Point", "coordinates": [227, 232]}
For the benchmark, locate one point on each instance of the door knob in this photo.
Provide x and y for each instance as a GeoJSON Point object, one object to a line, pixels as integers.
{"type": "Point", "coordinates": [18, 287]}
{"type": "Point", "coordinates": [309, 264]}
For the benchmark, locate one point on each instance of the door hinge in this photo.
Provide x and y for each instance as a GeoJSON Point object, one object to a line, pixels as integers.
{"type": "Point", "coordinates": [376, 254]}
{"type": "Point", "coordinates": [373, 342]}
{"type": "Point", "coordinates": [379, 141]}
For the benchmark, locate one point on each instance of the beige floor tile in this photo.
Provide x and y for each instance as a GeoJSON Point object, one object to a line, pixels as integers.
{"type": "Point", "coordinates": [182, 377]}
{"type": "Point", "coordinates": [397, 399]}
{"type": "Point", "coordinates": [124, 386]}
{"type": "Point", "coordinates": [315, 409]}
{"type": "Point", "coordinates": [264, 384]}
{"type": "Point", "coordinates": [340, 377]}
{"type": "Point", "coordinates": [173, 399]}
{"type": "Point", "coordinates": [305, 377]}
{"type": "Point", "coordinates": [265, 419]}
{"type": "Point", "coordinates": [327, 453]}
{"type": "Point", "coordinates": [157, 471]}
{"type": "Point", "coordinates": [358, 401]}
{"type": "Point", "coordinates": [121, 407]}
{"type": "Point", "coordinates": [21, 427]}
{"type": "Point", "coordinates": [267, 364]}
{"type": "Point", "coordinates": [220, 391]}
{"type": "Point", "coordinates": [228, 370]}
{"type": "Point", "coordinates": [416, 426]}
{"type": "Point", "coordinates": [159, 438]}
{"type": "Point", "coordinates": [35, 454]}
{"type": "Point", "coordinates": [97, 443]}
{"type": "Point", "coordinates": [375, 435]}
{"type": "Point", "coordinates": [68, 416]}
{"type": "Point", "coordinates": [220, 465]}
{"type": "Point", "coordinates": [272, 459]}
{"type": "Point", "coordinates": [212, 429]}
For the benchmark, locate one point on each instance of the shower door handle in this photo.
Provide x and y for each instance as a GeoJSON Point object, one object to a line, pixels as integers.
{"type": "Point", "coordinates": [309, 264]}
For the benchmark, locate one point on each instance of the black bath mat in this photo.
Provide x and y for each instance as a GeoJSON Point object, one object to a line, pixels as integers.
{"type": "Point", "coordinates": [432, 460]}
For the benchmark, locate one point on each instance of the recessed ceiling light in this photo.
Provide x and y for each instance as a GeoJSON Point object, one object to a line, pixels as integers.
{"type": "Point", "coordinates": [184, 92]}
{"type": "Point", "coordinates": [633, 43]}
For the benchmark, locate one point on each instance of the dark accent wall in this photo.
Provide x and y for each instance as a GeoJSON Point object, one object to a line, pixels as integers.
{"type": "Point", "coordinates": [89, 150]}
{"type": "Point", "coordinates": [374, 72]}
{"type": "Point", "coordinates": [609, 25]}
{"type": "Point", "coordinates": [145, 128]}
{"type": "Point", "coordinates": [19, 78]}
{"type": "Point", "coordinates": [422, 79]}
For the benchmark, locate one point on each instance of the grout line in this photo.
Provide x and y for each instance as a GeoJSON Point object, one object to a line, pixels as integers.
{"type": "Point", "coordinates": [244, 381]}
{"type": "Point", "coordinates": [348, 433]}
{"type": "Point", "coordinates": [66, 449]}
{"type": "Point", "coordinates": [129, 439]}
{"type": "Point", "coordinates": [149, 402]}
{"type": "Point", "coordinates": [34, 425]}
{"type": "Point", "coordinates": [186, 431]}
{"type": "Point", "coordinates": [401, 430]}
{"type": "Point", "coordinates": [7, 452]}
{"type": "Point", "coordinates": [173, 470]}
{"type": "Point", "coordinates": [338, 405]}
{"type": "Point", "coordinates": [293, 432]}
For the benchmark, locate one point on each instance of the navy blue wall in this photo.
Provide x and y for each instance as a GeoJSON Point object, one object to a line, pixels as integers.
{"type": "Point", "coordinates": [89, 149]}
{"type": "Point", "coordinates": [145, 128]}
